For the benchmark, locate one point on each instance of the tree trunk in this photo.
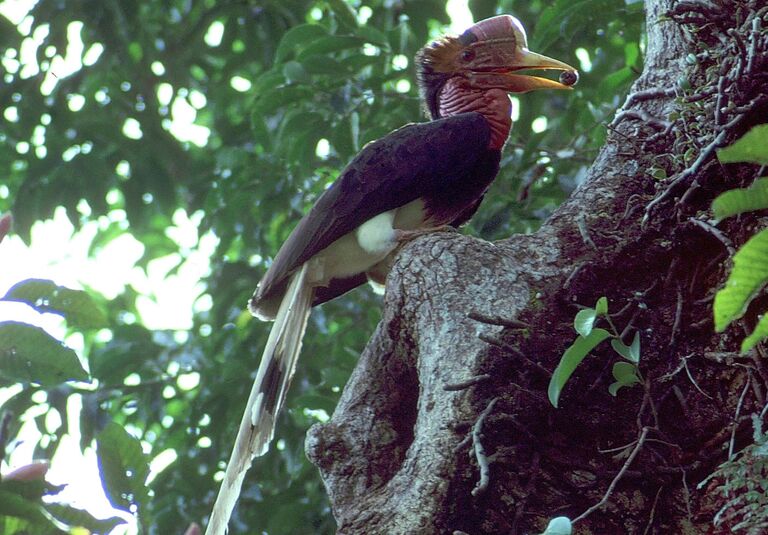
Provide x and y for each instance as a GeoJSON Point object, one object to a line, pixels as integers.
{"type": "Point", "coordinates": [403, 454]}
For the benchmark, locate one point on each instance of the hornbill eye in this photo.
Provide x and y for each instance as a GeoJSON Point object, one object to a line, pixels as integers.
{"type": "Point", "coordinates": [468, 55]}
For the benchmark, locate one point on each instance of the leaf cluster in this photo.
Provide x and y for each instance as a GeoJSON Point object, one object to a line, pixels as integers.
{"type": "Point", "coordinates": [750, 263]}
{"type": "Point", "coordinates": [625, 372]}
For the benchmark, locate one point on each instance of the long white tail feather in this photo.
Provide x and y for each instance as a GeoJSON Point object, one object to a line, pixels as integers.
{"type": "Point", "coordinates": [278, 364]}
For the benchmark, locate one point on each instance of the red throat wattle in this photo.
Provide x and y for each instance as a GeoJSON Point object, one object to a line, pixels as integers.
{"type": "Point", "coordinates": [494, 104]}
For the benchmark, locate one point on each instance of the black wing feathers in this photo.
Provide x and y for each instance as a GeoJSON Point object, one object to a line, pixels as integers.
{"type": "Point", "coordinates": [409, 163]}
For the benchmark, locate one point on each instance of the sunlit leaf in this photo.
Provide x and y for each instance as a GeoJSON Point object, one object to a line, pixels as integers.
{"type": "Point", "coordinates": [752, 147]}
{"type": "Point", "coordinates": [571, 359]}
{"type": "Point", "coordinates": [584, 320]}
{"type": "Point", "coordinates": [740, 200]}
{"type": "Point", "coordinates": [29, 354]}
{"type": "Point", "coordinates": [758, 335]}
{"type": "Point", "coordinates": [602, 306]}
{"type": "Point", "coordinates": [123, 467]}
{"type": "Point", "coordinates": [748, 276]}
{"type": "Point", "coordinates": [78, 517]}
{"type": "Point", "coordinates": [77, 306]}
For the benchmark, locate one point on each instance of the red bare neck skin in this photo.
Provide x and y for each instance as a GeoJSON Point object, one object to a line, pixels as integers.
{"type": "Point", "coordinates": [494, 104]}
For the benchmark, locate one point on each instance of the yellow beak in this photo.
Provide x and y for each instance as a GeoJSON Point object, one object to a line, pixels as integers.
{"type": "Point", "coordinates": [522, 83]}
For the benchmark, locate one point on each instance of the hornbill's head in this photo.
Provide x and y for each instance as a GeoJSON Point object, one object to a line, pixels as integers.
{"type": "Point", "coordinates": [487, 55]}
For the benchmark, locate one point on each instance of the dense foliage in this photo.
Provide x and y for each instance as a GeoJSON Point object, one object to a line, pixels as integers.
{"type": "Point", "coordinates": [289, 91]}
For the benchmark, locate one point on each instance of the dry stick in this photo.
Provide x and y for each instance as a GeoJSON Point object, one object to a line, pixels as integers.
{"type": "Point", "coordinates": [703, 157]}
{"type": "Point", "coordinates": [497, 320]}
{"type": "Point", "coordinates": [482, 459]}
{"type": "Point", "coordinates": [714, 231]}
{"type": "Point", "coordinates": [678, 317]}
{"type": "Point", "coordinates": [488, 339]}
{"type": "Point", "coordinates": [693, 188]}
{"type": "Point", "coordinates": [612, 486]}
{"type": "Point", "coordinates": [575, 271]}
{"type": "Point", "coordinates": [653, 511]}
{"type": "Point", "coordinates": [693, 381]}
{"type": "Point", "coordinates": [466, 384]}
{"type": "Point", "coordinates": [736, 416]}
{"type": "Point", "coordinates": [640, 96]}
{"type": "Point", "coordinates": [687, 495]}
{"type": "Point", "coordinates": [753, 44]}
{"type": "Point", "coordinates": [643, 116]}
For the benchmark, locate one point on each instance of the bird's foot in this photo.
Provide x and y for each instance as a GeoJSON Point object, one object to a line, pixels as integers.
{"type": "Point", "coordinates": [403, 236]}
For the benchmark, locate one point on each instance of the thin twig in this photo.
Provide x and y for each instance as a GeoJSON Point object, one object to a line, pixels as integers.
{"type": "Point", "coordinates": [687, 495]}
{"type": "Point", "coordinates": [466, 384]}
{"type": "Point", "coordinates": [497, 320]}
{"type": "Point", "coordinates": [612, 486]}
{"type": "Point", "coordinates": [693, 188]}
{"type": "Point", "coordinates": [678, 317]}
{"type": "Point", "coordinates": [736, 416]}
{"type": "Point", "coordinates": [482, 458]}
{"type": "Point", "coordinates": [693, 381]}
{"type": "Point", "coordinates": [466, 440]}
{"type": "Point", "coordinates": [488, 339]}
{"type": "Point", "coordinates": [573, 274]}
{"type": "Point", "coordinates": [640, 96]}
{"type": "Point", "coordinates": [704, 155]}
{"type": "Point", "coordinates": [653, 511]}
{"type": "Point", "coordinates": [643, 116]}
{"type": "Point", "coordinates": [753, 44]}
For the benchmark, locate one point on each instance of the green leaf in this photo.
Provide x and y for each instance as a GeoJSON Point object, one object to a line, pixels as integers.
{"type": "Point", "coordinates": [77, 306]}
{"type": "Point", "coordinates": [11, 504]}
{"type": "Point", "coordinates": [77, 517]}
{"type": "Point", "coordinates": [602, 306]}
{"type": "Point", "coordinates": [634, 349]}
{"type": "Point", "coordinates": [572, 358]}
{"type": "Point", "coordinates": [621, 348]}
{"type": "Point", "coordinates": [760, 333]}
{"type": "Point", "coordinates": [749, 274]}
{"type": "Point", "coordinates": [298, 37]}
{"type": "Point", "coordinates": [343, 12]}
{"type": "Point", "coordinates": [752, 147]}
{"type": "Point", "coordinates": [625, 375]}
{"type": "Point", "coordinates": [331, 43]}
{"type": "Point", "coordinates": [740, 200]}
{"type": "Point", "coordinates": [374, 36]}
{"type": "Point", "coordinates": [295, 72]}
{"type": "Point", "coordinates": [29, 354]}
{"type": "Point", "coordinates": [135, 51]}
{"type": "Point", "coordinates": [631, 353]}
{"type": "Point", "coordinates": [123, 467]}
{"type": "Point", "coordinates": [277, 97]}
{"type": "Point", "coordinates": [584, 321]}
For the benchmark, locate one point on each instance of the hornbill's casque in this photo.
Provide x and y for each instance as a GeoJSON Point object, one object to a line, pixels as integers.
{"type": "Point", "coordinates": [418, 178]}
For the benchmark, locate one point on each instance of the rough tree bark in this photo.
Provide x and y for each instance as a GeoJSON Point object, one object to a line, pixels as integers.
{"type": "Point", "coordinates": [400, 454]}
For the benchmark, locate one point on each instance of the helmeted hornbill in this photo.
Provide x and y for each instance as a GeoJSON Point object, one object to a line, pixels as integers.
{"type": "Point", "coordinates": [419, 177]}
